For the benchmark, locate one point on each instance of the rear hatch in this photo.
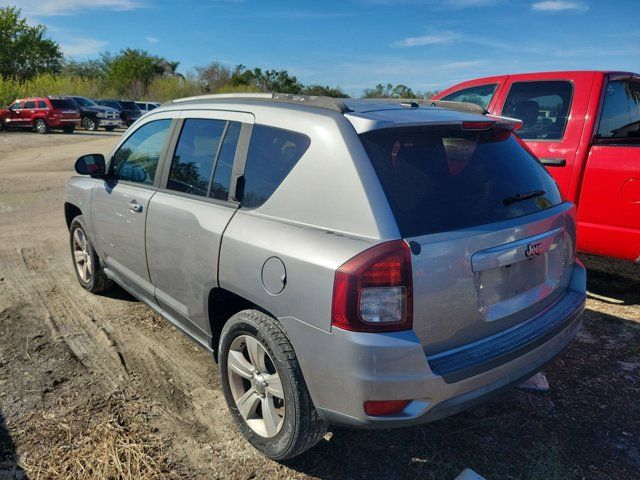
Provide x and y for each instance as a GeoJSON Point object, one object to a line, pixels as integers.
{"type": "Point", "coordinates": [494, 238]}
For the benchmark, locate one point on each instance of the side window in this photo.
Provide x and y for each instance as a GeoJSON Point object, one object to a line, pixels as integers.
{"type": "Point", "coordinates": [16, 106]}
{"type": "Point", "coordinates": [542, 106]}
{"type": "Point", "coordinates": [42, 104]}
{"type": "Point", "coordinates": [480, 95]}
{"type": "Point", "coordinates": [195, 155]}
{"type": "Point", "coordinates": [272, 154]}
{"type": "Point", "coordinates": [620, 119]}
{"type": "Point", "coordinates": [224, 165]}
{"type": "Point", "coordinates": [137, 158]}
{"type": "Point", "coordinates": [30, 104]}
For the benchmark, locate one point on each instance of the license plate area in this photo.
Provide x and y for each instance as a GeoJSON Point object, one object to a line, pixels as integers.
{"type": "Point", "coordinates": [511, 277]}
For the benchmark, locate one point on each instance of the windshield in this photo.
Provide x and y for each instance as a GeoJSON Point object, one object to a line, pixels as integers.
{"type": "Point", "coordinates": [84, 102]}
{"type": "Point", "coordinates": [444, 178]}
{"type": "Point", "coordinates": [130, 105]}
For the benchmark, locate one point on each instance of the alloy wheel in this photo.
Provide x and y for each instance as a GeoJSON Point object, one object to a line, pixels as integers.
{"type": "Point", "coordinates": [256, 386]}
{"type": "Point", "coordinates": [82, 255]}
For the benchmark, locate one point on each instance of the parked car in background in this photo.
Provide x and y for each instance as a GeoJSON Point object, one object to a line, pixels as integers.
{"type": "Point", "coordinates": [352, 262]}
{"type": "Point", "coordinates": [129, 111]}
{"type": "Point", "coordinates": [41, 114]}
{"type": "Point", "coordinates": [147, 106]}
{"type": "Point", "coordinates": [95, 116]}
{"type": "Point", "coordinates": [584, 126]}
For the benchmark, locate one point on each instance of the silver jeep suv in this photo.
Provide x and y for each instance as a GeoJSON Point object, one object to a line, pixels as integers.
{"type": "Point", "coordinates": [348, 262]}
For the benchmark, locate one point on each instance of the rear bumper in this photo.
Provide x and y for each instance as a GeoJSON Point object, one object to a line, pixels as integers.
{"type": "Point", "coordinates": [62, 122]}
{"type": "Point", "coordinates": [344, 369]}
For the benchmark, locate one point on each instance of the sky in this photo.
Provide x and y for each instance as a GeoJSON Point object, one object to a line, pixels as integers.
{"type": "Point", "coordinates": [356, 44]}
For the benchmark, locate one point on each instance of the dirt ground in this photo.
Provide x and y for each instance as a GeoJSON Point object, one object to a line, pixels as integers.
{"type": "Point", "coordinates": [100, 387]}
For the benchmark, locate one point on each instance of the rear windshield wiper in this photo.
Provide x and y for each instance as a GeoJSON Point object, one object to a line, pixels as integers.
{"type": "Point", "coordinates": [518, 197]}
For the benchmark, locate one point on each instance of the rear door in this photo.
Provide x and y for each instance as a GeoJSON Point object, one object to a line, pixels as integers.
{"type": "Point", "coordinates": [28, 112]}
{"type": "Point", "coordinates": [190, 212]}
{"type": "Point", "coordinates": [495, 240]}
{"type": "Point", "coordinates": [120, 203]}
{"type": "Point", "coordinates": [609, 208]}
{"type": "Point", "coordinates": [553, 109]}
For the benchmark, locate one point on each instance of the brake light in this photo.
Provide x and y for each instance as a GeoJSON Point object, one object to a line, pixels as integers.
{"type": "Point", "coordinates": [372, 292]}
{"type": "Point", "coordinates": [479, 125]}
{"type": "Point", "coordinates": [385, 407]}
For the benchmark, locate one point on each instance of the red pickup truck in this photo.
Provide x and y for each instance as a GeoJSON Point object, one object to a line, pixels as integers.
{"type": "Point", "coordinates": [585, 128]}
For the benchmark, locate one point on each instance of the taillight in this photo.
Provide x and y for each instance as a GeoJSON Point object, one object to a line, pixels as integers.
{"type": "Point", "coordinates": [385, 407]}
{"type": "Point", "coordinates": [372, 292]}
{"type": "Point", "coordinates": [478, 125]}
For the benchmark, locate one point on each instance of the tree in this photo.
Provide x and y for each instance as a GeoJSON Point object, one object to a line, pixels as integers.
{"type": "Point", "coordinates": [388, 91]}
{"type": "Point", "coordinates": [279, 81]}
{"type": "Point", "coordinates": [131, 71]}
{"type": "Point", "coordinates": [24, 50]}
{"type": "Point", "coordinates": [92, 68]}
{"type": "Point", "coordinates": [214, 76]}
{"type": "Point", "coordinates": [324, 91]}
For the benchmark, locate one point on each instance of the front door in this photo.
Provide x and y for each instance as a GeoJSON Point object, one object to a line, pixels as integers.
{"type": "Point", "coordinates": [609, 213]}
{"type": "Point", "coordinates": [545, 106]}
{"type": "Point", "coordinates": [119, 204]}
{"type": "Point", "coordinates": [14, 118]}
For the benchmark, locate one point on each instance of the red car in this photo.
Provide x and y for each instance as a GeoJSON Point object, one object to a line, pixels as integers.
{"type": "Point", "coordinates": [41, 113]}
{"type": "Point", "coordinates": [585, 128]}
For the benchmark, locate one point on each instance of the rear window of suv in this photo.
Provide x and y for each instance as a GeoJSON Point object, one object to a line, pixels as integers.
{"type": "Point", "coordinates": [444, 178]}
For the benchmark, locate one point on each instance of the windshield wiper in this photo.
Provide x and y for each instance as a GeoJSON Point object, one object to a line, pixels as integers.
{"type": "Point", "coordinates": [518, 197]}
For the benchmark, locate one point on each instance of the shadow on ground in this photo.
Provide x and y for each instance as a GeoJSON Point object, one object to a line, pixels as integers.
{"type": "Point", "coordinates": [8, 463]}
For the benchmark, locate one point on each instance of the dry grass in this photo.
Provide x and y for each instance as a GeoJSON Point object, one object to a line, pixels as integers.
{"type": "Point", "coordinates": [101, 441]}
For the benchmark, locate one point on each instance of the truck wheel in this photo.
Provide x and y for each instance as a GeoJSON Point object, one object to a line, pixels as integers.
{"type": "Point", "coordinates": [90, 124]}
{"type": "Point", "coordinates": [41, 126]}
{"type": "Point", "coordinates": [109, 129]}
{"type": "Point", "coordinates": [85, 259]}
{"type": "Point", "coordinates": [264, 387]}
{"type": "Point", "coordinates": [69, 129]}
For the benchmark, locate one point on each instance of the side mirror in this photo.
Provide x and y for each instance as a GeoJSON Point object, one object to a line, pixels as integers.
{"type": "Point", "coordinates": [92, 164]}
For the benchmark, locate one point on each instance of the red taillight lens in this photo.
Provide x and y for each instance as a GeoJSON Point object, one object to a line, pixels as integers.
{"type": "Point", "coordinates": [479, 125]}
{"type": "Point", "coordinates": [372, 292]}
{"type": "Point", "coordinates": [385, 407]}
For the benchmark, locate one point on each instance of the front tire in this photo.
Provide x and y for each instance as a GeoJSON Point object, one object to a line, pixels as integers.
{"type": "Point", "coordinates": [264, 387]}
{"type": "Point", "coordinates": [90, 124]}
{"type": "Point", "coordinates": [41, 126]}
{"type": "Point", "coordinates": [85, 259]}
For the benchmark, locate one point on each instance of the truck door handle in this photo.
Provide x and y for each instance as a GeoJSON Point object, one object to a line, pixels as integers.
{"type": "Point", "coordinates": [554, 162]}
{"type": "Point", "coordinates": [135, 206]}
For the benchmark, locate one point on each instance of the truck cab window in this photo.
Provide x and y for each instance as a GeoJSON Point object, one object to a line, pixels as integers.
{"type": "Point", "coordinates": [542, 106]}
{"type": "Point", "coordinates": [480, 95]}
{"type": "Point", "coordinates": [620, 118]}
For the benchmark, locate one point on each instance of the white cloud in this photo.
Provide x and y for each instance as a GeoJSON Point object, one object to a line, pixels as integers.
{"type": "Point", "coordinates": [436, 38]}
{"type": "Point", "coordinates": [152, 39]}
{"type": "Point", "coordinates": [80, 47]}
{"type": "Point", "coordinates": [558, 6]}
{"type": "Point", "coordinates": [73, 7]}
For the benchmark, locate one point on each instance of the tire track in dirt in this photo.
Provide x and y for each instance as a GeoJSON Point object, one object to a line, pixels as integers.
{"type": "Point", "coordinates": [31, 278]}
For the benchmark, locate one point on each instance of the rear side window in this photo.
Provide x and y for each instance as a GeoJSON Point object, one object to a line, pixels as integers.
{"type": "Point", "coordinates": [63, 104]}
{"type": "Point", "coordinates": [542, 106]}
{"type": "Point", "coordinates": [137, 158]}
{"type": "Point", "coordinates": [480, 95]}
{"type": "Point", "coordinates": [620, 120]}
{"type": "Point", "coordinates": [30, 104]}
{"type": "Point", "coordinates": [272, 154]}
{"type": "Point", "coordinates": [195, 156]}
{"type": "Point", "coordinates": [42, 104]}
{"type": "Point", "coordinates": [444, 179]}
{"type": "Point", "coordinates": [224, 164]}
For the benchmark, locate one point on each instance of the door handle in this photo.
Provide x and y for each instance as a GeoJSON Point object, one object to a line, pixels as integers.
{"type": "Point", "coordinates": [554, 162]}
{"type": "Point", "coordinates": [135, 206]}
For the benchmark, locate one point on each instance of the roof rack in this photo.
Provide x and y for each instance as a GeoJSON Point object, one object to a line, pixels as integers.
{"type": "Point", "coordinates": [335, 104]}
{"type": "Point", "coordinates": [328, 103]}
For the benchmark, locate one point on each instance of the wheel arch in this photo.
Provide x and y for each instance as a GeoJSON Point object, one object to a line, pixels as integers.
{"type": "Point", "coordinates": [71, 211]}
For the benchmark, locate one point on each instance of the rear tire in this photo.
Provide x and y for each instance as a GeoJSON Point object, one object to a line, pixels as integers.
{"type": "Point", "coordinates": [109, 129]}
{"type": "Point", "coordinates": [69, 129]}
{"type": "Point", "coordinates": [86, 262]}
{"type": "Point", "coordinates": [261, 376]}
{"type": "Point", "coordinates": [90, 124]}
{"type": "Point", "coordinates": [41, 126]}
